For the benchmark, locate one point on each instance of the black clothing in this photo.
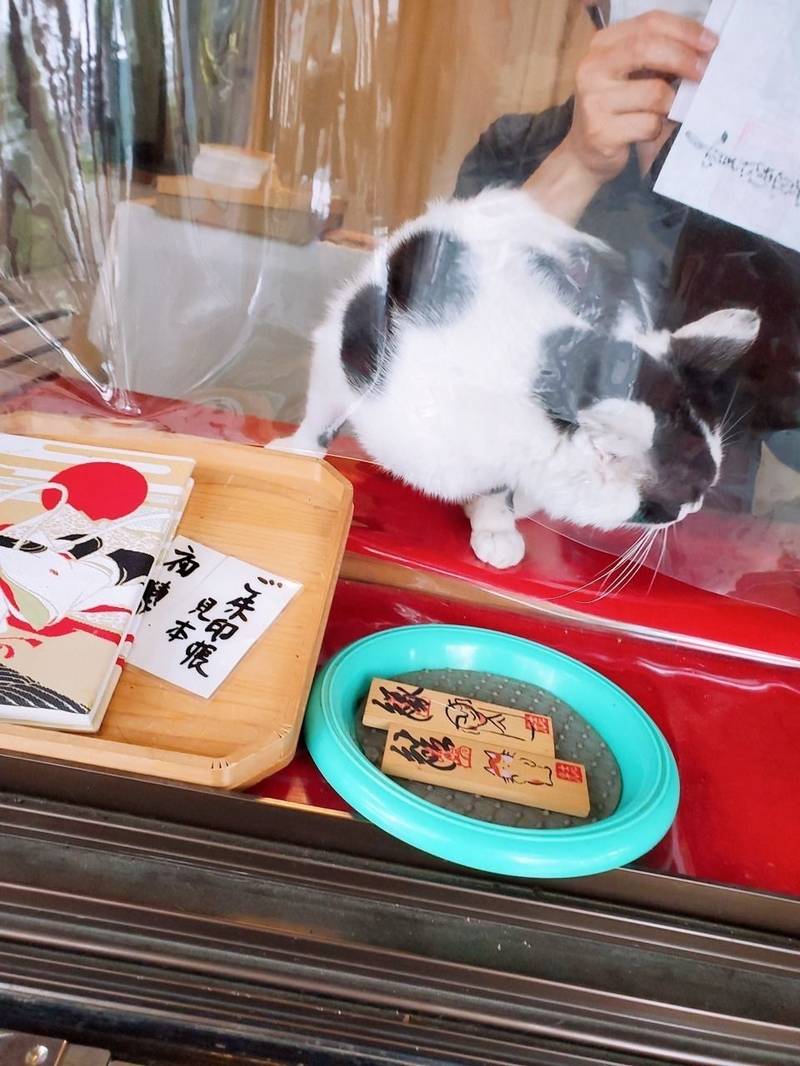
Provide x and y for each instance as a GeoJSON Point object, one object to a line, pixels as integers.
{"type": "Point", "coordinates": [625, 213]}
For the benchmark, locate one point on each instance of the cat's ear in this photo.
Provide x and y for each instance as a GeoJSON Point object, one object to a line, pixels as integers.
{"type": "Point", "coordinates": [712, 344]}
{"type": "Point", "coordinates": [618, 428]}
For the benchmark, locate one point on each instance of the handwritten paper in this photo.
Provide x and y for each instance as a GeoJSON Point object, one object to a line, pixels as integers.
{"type": "Point", "coordinates": [737, 155]}
{"type": "Point", "coordinates": [197, 632]}
{"type": "Point", "coordinates": [186, 565]}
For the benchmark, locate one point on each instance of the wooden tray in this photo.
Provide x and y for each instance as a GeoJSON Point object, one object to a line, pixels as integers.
{"type": "Point", "coordinates": [289, 514]}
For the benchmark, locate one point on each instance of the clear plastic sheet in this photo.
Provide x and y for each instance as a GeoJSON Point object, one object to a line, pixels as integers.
{"type": "Point", "coordinates": [185, 186]}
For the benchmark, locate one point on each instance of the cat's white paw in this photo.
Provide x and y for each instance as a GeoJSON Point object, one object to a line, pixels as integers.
{"type": "Point", "coordinates": [501, 550]}
{"type": "Point", "coordinates": [297, 445]}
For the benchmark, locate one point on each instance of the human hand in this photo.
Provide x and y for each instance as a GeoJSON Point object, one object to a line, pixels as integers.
{"type": "Point", "coordinates": [621, 95]}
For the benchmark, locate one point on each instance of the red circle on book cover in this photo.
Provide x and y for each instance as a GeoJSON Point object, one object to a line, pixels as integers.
{"type": "Point", "coordinates": [99, 490]}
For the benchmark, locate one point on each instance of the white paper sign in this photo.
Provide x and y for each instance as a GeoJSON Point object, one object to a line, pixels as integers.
{"type": "Point", "coordinates": [195, 636]}
{"type": "Point", "coordinates": [737, 155]}
{"type": "Point", "coordinates": [186, 566]}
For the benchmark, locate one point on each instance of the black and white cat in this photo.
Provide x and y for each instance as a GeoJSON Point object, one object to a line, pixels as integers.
{"type": "Point", "coordinates": [491, 355]}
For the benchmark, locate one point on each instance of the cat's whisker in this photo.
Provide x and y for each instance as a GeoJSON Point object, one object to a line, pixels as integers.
{"type": "Point", "coordinates": [660, 560]}
{"type": "Point", "coordinates": [619, 581]}
{"type": "Point", "coordinates": [607, 571]}
{"type": "Point", "coordinates": [624, 561]}
{"type": "Point", "coordinates": [636, 564]}
{"type": "Point", "coordinates": [621, 560]}
{"type": "Point", "coordinates": [727, 431]}
{"type": "Point", "coordinates": [734, 438]}
{"type": "Point", "coordinates": [627, 559]}
{"type": "Point", "coordinates": [723, 421]}
{"type": "Point", "coordinates": [632, 567]}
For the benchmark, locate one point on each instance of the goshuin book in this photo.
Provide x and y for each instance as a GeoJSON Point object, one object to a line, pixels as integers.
{"type": "Point", "coordinates": [81, 529]}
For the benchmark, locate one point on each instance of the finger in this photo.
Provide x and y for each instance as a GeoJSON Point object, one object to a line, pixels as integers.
{"type": "Point", "coordinates": [617, 133]}
{"type": "Point", "coordinates": [635, 128]}
{"type": "Point", "coordinates": [661, 23]}
{"type": "Point", "coordinates": [652, 95]}
{"type": "Point", "coordinates": [664, 54]}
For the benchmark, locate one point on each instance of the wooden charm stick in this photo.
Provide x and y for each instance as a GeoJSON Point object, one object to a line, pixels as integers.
{"type": "Point", "coordinates": [390, 702]}
{"type": "Point", "coordinates": [417, 753]}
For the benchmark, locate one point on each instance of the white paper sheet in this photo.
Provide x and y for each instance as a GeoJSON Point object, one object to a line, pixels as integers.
{"type": "Point", "coordinates": [200, 630]}
{"type": "Point", "coordinates": [715, 20]}
{"type": "Point", "coordinates": [737, 155]}
{"type": "Point", "coordinates": [186, 566]}
{"type": "Point", "coordinates": [628, 9]}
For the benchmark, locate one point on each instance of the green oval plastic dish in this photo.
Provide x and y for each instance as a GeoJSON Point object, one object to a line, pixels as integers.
{"type": "Point", "coordinates": [650, 786]}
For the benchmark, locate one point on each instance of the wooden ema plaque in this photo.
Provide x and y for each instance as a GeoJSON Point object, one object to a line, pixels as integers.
{"type": "Point", "coordinates": [389, 703]}
{"type": "Point", "coordinates": [498, 771]}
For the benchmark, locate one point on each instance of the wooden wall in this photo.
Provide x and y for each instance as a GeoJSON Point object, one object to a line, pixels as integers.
{"type": "Point", "coordinates": [389, 95]}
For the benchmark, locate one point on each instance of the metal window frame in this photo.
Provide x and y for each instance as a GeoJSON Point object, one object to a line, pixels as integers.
{"type": "Point", "coordinates": [288, 945]}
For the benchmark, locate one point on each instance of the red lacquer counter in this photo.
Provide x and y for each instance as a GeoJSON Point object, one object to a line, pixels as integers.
{"type": "Point", "coordinates": [716, 674]}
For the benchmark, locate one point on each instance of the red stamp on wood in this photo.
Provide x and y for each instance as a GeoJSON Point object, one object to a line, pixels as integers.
{"type": "Point", "coordinates": [463, 756]}
{"type": "Point", "coordinates": [537, 723]}
{"type": "Point", "coordinates": [569, 772]}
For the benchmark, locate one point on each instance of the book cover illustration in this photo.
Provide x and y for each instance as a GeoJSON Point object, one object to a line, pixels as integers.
{"type": "Point", "coordinates": [80, 528]}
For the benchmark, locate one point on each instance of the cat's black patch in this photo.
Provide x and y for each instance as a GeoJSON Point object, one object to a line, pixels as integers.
{"type": "Point", "coordinates": [594, 283]}
{"type": "Point", "coordinates": [709, 370]}
{"type": "Point", "coordinates": [555, 274]}
{"type": "Point", "coordinates": [428, 276]}
{"type": "Point", "coordinates": [681, 458]}
{"type": "Point", "coordinates": [503, 490]}
{"type": "Point", "coordinates": [364, 338]}
{"type": "Point", "coordinates": [324, 439]}
{"type": "Point", "coordinates": [579, 367]}
{"type": "Point", "coordinates": [657, 386]}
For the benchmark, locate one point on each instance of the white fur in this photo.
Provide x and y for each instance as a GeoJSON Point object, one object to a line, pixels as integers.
{"type": "Point", "coordinates": [655, 343]}
{"type": "Point", "coordinates": [455, 416]}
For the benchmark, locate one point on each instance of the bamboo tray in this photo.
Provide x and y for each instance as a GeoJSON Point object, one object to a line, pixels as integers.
{"type": "Point", "coordinates": [289, 514]}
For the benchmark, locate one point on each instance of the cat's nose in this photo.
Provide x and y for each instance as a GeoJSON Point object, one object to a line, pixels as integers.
{"type": "Point", "coordinates": [655, 513]}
